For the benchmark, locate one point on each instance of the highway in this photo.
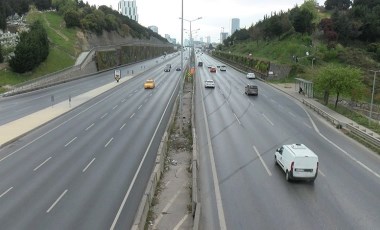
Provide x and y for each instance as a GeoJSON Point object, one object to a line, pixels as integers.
{"type": "Point", "coordinates": [242, 188]}
{"type": "Point", "coordinates": [87, 169]}
{"type": "Point", "coordinates": [12, 108]}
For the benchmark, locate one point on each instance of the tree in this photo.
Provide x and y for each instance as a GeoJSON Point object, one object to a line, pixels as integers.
{"type": "Point", "coordinates": [340, 80]}
{"type": "Point", "coordinates": [72, 18]}
{"type": "Point", "coordinates": [303, 21]}
{"type": "Point", "coordinates": [3, 16]}
{"type": "Point", "coordinates": [1, 54]}
{"type": "Point", "coordinates": [32, 49]}
{"type": "Point", "coordinates": [337, 4]}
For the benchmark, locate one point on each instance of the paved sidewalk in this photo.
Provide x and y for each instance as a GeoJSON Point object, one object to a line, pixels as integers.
{"type": "Point", "coordinates": [13, 130]}
{"type": "Point", "coordinates": [290, 89]}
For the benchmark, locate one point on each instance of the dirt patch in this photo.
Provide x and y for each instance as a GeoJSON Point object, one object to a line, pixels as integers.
{"type": "Point", "coordinates": [172, 202]}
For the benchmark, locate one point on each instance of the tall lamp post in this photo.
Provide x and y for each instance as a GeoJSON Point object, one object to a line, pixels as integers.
{"type": "Point", "coordinates": [190, 21]}
{"type": "Point", "coordinates": [373, 91]}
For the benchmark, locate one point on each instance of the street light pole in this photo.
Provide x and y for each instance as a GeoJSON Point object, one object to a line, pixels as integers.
{"type": "Point", "coordinates": [373, 91]}
{"type": "Point", "coordinates": [181, 87]}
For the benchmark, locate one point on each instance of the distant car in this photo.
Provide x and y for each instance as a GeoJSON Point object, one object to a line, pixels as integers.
{"type": "Point", "coordinates": [168, 67]}
{"type": "Point", "coordinates": [178, 69]}
{"type": "Point", "coordinates": [223, 68]}
{"type": "Point", "coordinates": [251, 75]}
{"type": "Point", "coordinates": [213, 69]}
{"type": "Point", "coordinates": [200, 64]}
{"type": "Point", "coordinates": [209, 66]}
{"type": "Point", "coordinates": [209, 84]}
{"type": "Point", "coordinates": [218, 66]}
{"type": "Point", "coordinates": [251, 89]}
{"type": "Point", "coordinates": [149, 84]}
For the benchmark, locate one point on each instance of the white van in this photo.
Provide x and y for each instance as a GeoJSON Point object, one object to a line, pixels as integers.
{"type": "Point", "coordinates": [298, 162]}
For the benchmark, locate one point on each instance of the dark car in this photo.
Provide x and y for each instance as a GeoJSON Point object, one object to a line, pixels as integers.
{"type": "Point", "coordinates": [251, 89]}
{"type": "Point", "coordinates": [178, 69]}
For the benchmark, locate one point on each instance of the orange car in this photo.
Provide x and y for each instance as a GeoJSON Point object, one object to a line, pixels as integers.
{"type": "Point", "coordinates": [149, 84]}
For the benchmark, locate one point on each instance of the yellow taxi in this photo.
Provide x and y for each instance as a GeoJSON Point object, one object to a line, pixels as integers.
{"type": "Point", "coordinates": [149, 84]}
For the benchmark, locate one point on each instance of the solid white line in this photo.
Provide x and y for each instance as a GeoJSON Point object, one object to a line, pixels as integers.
{"type": "Point", "coordinates": [122, 126]}
{"type": "Point", "coordinates": [342, 150]}
{"type": "Point", "coordinates": [166, 208]}
{"type": "Point", "coordinates": [262, 161]}
{"type": "Point", "coordinates": [84, 170]}
{"type": "Point", "coordinates": [104, 115]}
{"type": "Point", "coordinates": [132, 115]}
{"type": "Point", "coordinates": [218, 196]}
{"type": "Point", "coordinates": [68, 143]}
{"type": "Point", "coordinates": [89, 127]}
{"type": "Point", "coordinates": [41, 164]}
{"type": "Point", "coordinates": [108, 142]}
{"type": "Point", "coordinates": [59, 198]}
{"type": "Point", "coordinates": [180, 222]}
{"type": "Point", "coordinates": [266, 118]}
{"type": "Point", "coordinates": [237, 118]}
{"type": "Point", "coordinates": [139, 107]}
{"type": "Point", "coordinates": [141, 162]}
{"type": "Point", "coordinates": [4, 193]}
{"type": "Point", "coordinates": [320, 172]}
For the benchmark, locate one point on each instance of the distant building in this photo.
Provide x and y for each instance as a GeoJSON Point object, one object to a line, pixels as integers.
{"type": "Point", "coordinates": [171, 40]}
{"type": "Point", "coordinates": [129, 9]}
{"type": "Point", "coordinates": [153, 28]}
{"type": "Point", "coordinates": [208, 39]}
{"type": "Point", "coordinates": [235, 25]}
{"type": "Point", "coordinates": [223, 36]}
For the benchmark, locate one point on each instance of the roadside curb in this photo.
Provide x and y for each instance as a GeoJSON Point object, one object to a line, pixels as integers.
{"type": "Point", "coordinates": [145, 203]}
{"type": "Point", "coordinates": [31, 122]}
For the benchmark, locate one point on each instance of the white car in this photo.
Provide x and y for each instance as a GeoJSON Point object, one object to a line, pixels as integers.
{"type": "Point", "coordinates": [209, 84]}
{"type": "Point", "coordinates": [251, 75]}
{"type": "Point", "coordinates": [298, 162]}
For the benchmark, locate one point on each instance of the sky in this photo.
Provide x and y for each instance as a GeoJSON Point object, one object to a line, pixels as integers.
{"type": "Point", "coordinates": [215, 15]}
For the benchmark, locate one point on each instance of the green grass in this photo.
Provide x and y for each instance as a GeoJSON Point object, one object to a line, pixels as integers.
{"type": "Point", "coordinates": [279, 51]}
{"type": "Point", "coordinates": [62, 53]}
{"type": "Point", "coordinates": [356, 117]}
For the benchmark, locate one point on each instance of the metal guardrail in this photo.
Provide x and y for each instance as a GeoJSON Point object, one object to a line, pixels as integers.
{"type": "Point", "coordinates": [367, 136]}
{"type": "Point", "coordinates": [327, 116]}
{"type": "Point", "coordinates": [355, 129]}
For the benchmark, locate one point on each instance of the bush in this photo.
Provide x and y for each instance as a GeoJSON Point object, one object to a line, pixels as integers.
{"type": "Point", "coordinates": [32, 49]}
{"type": "Point", "coordinates": [1, 55]}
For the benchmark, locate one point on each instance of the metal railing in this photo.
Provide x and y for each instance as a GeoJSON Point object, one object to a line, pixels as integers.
{"type": "Point", "coordinates": [365, 134]}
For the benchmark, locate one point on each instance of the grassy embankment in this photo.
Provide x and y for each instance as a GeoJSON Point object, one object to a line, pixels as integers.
{"type": "Point", "coordinates": [62, 52]}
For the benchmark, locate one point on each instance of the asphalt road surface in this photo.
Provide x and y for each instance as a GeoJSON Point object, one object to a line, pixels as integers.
{"type": "Point", "coordinates": [243, 188]}
{"type": "Point", "coordinates": [87, 169]}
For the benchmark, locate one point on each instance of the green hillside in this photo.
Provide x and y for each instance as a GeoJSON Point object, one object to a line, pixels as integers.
{"type": "Point", "coordinates": [62, 52]}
